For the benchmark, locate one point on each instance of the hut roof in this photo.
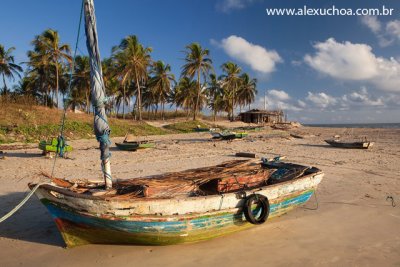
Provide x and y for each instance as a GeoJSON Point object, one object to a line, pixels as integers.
{"type": "Point", "coordinates": [265, 112]}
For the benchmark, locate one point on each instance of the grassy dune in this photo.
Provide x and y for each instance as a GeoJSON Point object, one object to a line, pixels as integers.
{"type": "Point", "coordinates": [20, 123]}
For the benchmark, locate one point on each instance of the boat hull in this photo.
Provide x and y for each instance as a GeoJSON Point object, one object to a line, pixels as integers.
{"type": "Point", "coordinates": [164, 222]}
{"type": "Point", "coordinates": [354, 145]}
{"type": "Point", "coordinates": [127, 146]}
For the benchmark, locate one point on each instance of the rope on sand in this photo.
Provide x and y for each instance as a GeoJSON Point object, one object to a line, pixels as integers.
{"type": "Point", "coordinates": [16, 208]}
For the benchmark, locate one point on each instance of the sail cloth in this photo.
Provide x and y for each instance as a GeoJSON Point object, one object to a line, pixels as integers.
{"type": "Point", "coordinates": [101, 127]}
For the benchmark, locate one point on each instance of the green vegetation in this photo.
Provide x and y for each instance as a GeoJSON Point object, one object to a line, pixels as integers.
{"type": "Point", "coordinates": [186, 126]}
{"type": "Point", "coordinates": [18, 124]}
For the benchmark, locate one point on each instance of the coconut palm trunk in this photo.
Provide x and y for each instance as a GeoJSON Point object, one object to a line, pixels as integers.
{"type": "Point", "coordinates": [196, 107]}
{"type": "Point", "coordinates": [5, 86]}
{"type": "Point", "coordinates": [56, 83]}
{"type": "Point", "coordinates": [139, 95]}
{"type": "Point", "coordinates": [123, 104]}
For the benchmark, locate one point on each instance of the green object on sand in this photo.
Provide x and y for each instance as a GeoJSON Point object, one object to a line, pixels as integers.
{"type": "Point", "coordinates": [241, 135]}
{"type": "Point", "coordinates": [53, 146]}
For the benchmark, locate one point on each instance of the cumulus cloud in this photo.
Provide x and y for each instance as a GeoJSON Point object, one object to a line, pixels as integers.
{"type": "Point", "coordinates": [387, 33]}
{"type": "Point", "coordinates": [343, 60]}
{"type": "Point", "coordinates": [229, 5]}
{"type": "Point", "coordinates": [361, 97]}
{"type": "Point", "coordinates": [372, 23]}
{"type": "Point", "coordinates": [257, 57]}
{"type": "Point", "coordinates": [355, 62]}
{"type": "Point", "coordinates": [393, 28]}
{"type": "Point", "coordinates": [279, 99]}
{"type": "Point", "coordinates": [321, 100]}
{"type": "Point", "coordinates": [278, 95]}
{"type": "Point", "coordinates": [354, 100]}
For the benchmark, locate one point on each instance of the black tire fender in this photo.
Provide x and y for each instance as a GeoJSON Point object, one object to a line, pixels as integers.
{"type": "Point", "coordinates": [265, 209]}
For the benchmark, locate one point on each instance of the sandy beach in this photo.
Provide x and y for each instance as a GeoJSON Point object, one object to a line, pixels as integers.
{"type": "Point", "coordinates": [352, 224]}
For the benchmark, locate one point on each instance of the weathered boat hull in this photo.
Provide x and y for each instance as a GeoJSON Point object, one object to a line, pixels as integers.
{"type": "Point", "coordinates": [163, 221]}
{"type": "Point", "coordinates": [127, 146]}
{"type": "Point", "coordinates": [355, 145]}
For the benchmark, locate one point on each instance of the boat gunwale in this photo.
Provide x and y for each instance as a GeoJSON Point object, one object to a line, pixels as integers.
{"type": "Point", "coordinates": [69, 193]}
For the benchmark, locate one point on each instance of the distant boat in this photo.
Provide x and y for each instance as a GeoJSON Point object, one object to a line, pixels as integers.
{"type": "Point", "coordinates": [349, 144]}
{"type": "Point", "coordinates": [127, 146]}
{"type": "Point", "coordinates": [131, 140]}
{"type": "Point", "coordinates": [228, 135]}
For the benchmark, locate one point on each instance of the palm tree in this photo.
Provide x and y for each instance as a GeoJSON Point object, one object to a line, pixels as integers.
{"type": "Point", "coordinates": [48, 43]}
{"type": "Point", "coordinates": [76, 99]}
{"type": "Point", "coordinates": [215, 95]}
{"type": "Point", "coordinates": [7, 66]}
{"type": "Point", "coordinates": [184, 94]}
{"type": "Point", "coordinates": [111, 84]}
{"type": "Point", "coordinates": [81, 79]}
{"type": "Point", "coordinates": [197, 62]}
{"type": "Point", "coordinates": [231, 83]}
{"type": "Point", "coordinates": [132, 60]}
{"type": "Point", "coordinates": [160, 83]}
{"type": "Point", "coordinates": [247, 91]}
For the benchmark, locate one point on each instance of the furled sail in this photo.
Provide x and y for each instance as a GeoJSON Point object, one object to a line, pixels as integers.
{"type": "Point", "coordinates": [101, 127]}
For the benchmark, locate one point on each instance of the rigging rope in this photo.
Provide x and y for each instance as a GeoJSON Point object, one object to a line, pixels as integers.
{"type": "Point", "coordinates": [16, 208]}
{"type": "Point", "coordinates": [62, 126]}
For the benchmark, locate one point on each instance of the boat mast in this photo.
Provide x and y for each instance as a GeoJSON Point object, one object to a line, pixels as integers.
{"type": "Point", "coordinates": [101, 127]}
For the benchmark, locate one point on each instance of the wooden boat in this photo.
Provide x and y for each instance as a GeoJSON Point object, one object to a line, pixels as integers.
{"type": "Point", "coordinates": [349, 144]}
{"type": "Point", "coordinates": [173, 208]}
{"type": "Point", "coordinates": [228, 135]}
{"type": "Point", "coordinates": [127, 146]}
{"type": "Point", "coordinates": [200, 130]}
{"type": "Point", "coordinates": [139, 144]}
{"type": "Point", "coordinates": [52, 146]}
{"type": "Point", "coordinates": [241, 135]}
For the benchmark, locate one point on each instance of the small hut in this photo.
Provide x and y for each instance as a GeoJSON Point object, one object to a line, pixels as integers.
{"type": "Point", "coordinates": [262, 116]}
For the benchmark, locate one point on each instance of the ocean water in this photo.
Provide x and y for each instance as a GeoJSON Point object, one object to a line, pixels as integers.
{"type": "Point", "coordinates": [358, 125]}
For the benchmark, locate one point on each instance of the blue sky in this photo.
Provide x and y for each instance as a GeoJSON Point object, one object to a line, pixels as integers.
{"type": "Point", "coordinates": [319, 69]}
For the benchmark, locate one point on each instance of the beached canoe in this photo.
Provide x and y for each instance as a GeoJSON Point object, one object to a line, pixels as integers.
{"type": "Point", "coordinates": [182, 207]}
{"type": "Point", "coordinates": [349, 144]}
{"type": "Point", "coordinates": [127, 146]}
{"type": "Point", "coordinates": [241, 135]}
{"type": "Point", "coordinates": [227, 135]}
{"type": "Point", "coordinates": [52, 146]}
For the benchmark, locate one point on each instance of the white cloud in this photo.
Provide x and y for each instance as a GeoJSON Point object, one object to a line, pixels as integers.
{"type": "Point", "coordinates": [321, 100]}
{"type": "Point", "coordinates": [257, 57]}
{"type": "Point", "coordinates": [343, 60]}
{"type": "Point", "coordinates": [372, 23]}
{"type": "Point", "coordinates": [355, 62]}
{"type": "Point", "coordinates": [229, 5]}
{"type": "Point", "coordinates": [278, 95]}
{"type": "Point", "coordinates": [301, 103]}
{"type": "Point", "coordinates": [279, 99]}
{"type": "Point", "coordinates": [297, 63]}
{"type": "Point", "coordinates": [393, 28]}
{"type": "Point", "coordinates": [386, 34]}
{"type": "Point", "coordinates": [361, 97]}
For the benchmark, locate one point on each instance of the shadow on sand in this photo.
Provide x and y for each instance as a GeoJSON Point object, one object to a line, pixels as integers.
{"type": "Point", "coordinates": [310, 145]}
{"type": "Point", "coordinates": [32, 223]}
{"type": "Point", "coordinates": [22, 155]}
